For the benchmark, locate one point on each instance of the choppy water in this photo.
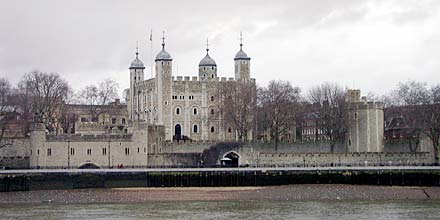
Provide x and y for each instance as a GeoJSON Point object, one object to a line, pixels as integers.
{"type": "Point", "coordinates": [304, 210]}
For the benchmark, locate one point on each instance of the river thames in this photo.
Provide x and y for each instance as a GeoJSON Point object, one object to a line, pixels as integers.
{"type": "Point", "coordinates": [243, 210]}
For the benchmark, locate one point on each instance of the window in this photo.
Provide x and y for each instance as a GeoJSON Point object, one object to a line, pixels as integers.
{"type": "Point", "coordinates": [123, 121]}
{"type": "Point", "coordinates": [72, 151]}
{"type": "Point", "coordinates": [84, 120]}
{"type": "Point", "coordinates": [49, 152]}
{"type": "Point", "coordinates": [89, 151]}
{"type": "Point", "coordinates": [104, 151]}
{"type": "Point", "coordinates": [177, 111]}
{"type": "Point", "coordinates": [195, 128]}
{"type": "Point", "coordinates": [195, 111]}
{"type": "Point", "coordinates": [212, 112]}
{"type": "Point", "coordinates": [127, 151]}
{"type": "Point", "coordinates": [212, 98]}
{"type": "Point", "coordinates": [113, 120]}
{"type": "Point", "coordinates": [138, 150]}
{"type": "Point", "coordinates": [229, 130]}
{"type": "Point", "coordinates": [212, 76]}
{"type": "Point", "coordinates": [212, 68]}
{"type": "Point", "coordinates": [38, 152]}
{"type": "Point", "coordinates": [212, 129]}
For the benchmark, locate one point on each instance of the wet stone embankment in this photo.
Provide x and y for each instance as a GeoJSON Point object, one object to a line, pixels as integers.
{"type": "Point", "coordinates": [213, 178]}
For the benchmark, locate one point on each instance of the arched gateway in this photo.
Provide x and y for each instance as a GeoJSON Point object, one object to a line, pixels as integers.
{"type": "Point", "coordinates": [230, 159]}
{"type": "Point", "coordinates": [89, 166]}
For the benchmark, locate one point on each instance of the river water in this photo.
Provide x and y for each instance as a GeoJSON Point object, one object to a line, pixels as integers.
{"type": "Point", "coordinates": [304, 210]}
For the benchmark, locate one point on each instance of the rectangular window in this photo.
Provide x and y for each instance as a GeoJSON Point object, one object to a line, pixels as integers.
{"type": "Point", "coordinates": [113, 120]}
{"type": "Point", "coordinates": [49, 152]}
{"type": "Point", "coordinates": [84, 120]}
{"type": "Point", "coordinates": [72, 151]}
{"type": "Point", "coordinates": [89, 151]}
{"type": "Point", "coordinates": [127, 151]}
{"type": "Point", "coordinates": [104, 151]}
{"type": "Point", "coordinates": [138, 150]}
{"type": "Point", "coordinates": [123, 121]}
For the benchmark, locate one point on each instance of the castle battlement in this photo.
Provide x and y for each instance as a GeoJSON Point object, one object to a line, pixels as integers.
{"type": "Point", "coordinates": [367, 105]}
{"type": "Point", "coordinates": [89, 138]}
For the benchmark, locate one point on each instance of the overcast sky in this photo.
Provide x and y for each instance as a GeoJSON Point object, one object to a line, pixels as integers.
{"type": "Point", "coordinates": [370, 45]}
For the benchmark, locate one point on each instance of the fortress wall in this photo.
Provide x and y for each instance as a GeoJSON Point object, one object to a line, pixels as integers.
{"type": "Point", "coordinates": [322, 159]}
{"type": "Point", "coordinates": [15, 155]}
{"type": "Point", "coordinates": [200, 146]}
{"type": "Point", "coordinates": [72, 151]}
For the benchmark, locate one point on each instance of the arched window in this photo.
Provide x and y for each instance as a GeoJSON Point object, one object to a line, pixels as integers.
{"type": "Point", "coordinates": [212, 98]}
{"type": "Point", "coordinates": [229, 130]}
{"type": "Point", "coordinates": [195, 128]}
{"type": "Point", "coordinates": [195, 111]}
{"type": "Point", "coordinates": [212, 68]}
{"type": "Point", "coordinates": [212, 112]}
{"type": "Point", "coordinates": [212, 129]}
{"type": "Point", "coordinates": [177, 111]}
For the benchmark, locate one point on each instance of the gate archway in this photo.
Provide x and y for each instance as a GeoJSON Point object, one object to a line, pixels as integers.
{"type": "Point", "coordinates": [231, 159]}
{"type": "Point", "coordinates": [89, 166]}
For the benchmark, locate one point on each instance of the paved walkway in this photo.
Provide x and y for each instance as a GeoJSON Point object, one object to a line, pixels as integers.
{"type": "Point", "coordinates": [247, 169]}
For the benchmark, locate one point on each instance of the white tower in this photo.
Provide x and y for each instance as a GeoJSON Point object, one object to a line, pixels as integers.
{"type": "Point", "coordinates": [164, 90]}
{"type": "Point", "coordinates": [136, 75]}
{"type": "Point", "coordinates": [207, 66]}
{"type": "Point", "coordinates": [242, 64]}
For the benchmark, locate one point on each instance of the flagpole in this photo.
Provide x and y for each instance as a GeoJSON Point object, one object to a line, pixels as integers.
{"type": "Point", "coordinates": [151, 52]}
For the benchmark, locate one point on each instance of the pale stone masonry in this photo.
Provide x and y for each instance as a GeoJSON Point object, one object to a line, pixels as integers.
{"type": "Point", "coordinates": [80, 151]}
{"type": "Point", "coordinates": [188, 107]}
{"type": "Point", "coordinates": [366, 124]}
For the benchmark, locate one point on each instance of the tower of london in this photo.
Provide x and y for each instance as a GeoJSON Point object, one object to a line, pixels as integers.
{"type": "Point", "coordinates": [187, 107]}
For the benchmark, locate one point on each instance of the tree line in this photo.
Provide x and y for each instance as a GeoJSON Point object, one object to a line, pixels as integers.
{"type": "Point", "coordinates": [265, 112]}
{"type": "Point", "coordinates": [46, 97]}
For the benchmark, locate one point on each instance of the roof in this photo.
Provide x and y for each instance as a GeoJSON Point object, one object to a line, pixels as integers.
{"type": "Point", "coordinates": [137, 64]}
{"type": "Point", "coordinates": [207, 61]}
{"type": "Point", "coordinates": [241, 55]}
{"type": "Point", "coordinates": [163, 55]}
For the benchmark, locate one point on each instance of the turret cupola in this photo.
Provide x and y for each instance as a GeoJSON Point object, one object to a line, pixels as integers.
{"type": "Point", "coordinates": [163, 55]}
{"type": "Point", "coordinates": [242, 63]}
{"type": "Point", "coordinates": [207, 66]}
{"type": "Point", "coordinates": [137, 63]}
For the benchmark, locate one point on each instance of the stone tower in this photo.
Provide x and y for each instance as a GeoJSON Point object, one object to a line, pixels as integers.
{"type": "Point", "coordinates": [366, 124]}
{"type": "Point", "coordinates": [164, 90]}
{"type": "Point", "coordinates": [136, 75]}
{"type": "Point", "coordinates": [242, 64]}
{"type": "Point", "coordinates": [207, 66]}
{"type": "Point", "coordinates": [37, 140]}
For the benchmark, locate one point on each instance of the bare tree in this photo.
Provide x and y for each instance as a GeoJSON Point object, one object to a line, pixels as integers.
{"type": "Point", "coordinates": [89, 96]}
{"type": "Point", "coordinates": [108, 91]}
{"type": "Point", "coordinates": [238, 107]}
{"type": "Point", "coordinates": [95, 96]}
{"type": "Point", "coordinates": [5, 93]}
{"type": "Point", "coordinates": [277, 105]}
{"type": "Point", "coordinates": [331, 107]}
{"type": "Point", "coordinates": [43, 94]}
{"type": "Point", "coordinates": [421, 110]}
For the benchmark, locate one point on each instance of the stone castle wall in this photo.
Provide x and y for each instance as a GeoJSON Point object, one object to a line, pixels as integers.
{"type": "Point", "coordinates": [73, 151]}
{"type": "Point", "coordinates": [15, 155]}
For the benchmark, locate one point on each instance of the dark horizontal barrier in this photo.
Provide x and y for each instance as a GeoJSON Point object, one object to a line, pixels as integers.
{"type": "Point", "coordinates": [79, 179]}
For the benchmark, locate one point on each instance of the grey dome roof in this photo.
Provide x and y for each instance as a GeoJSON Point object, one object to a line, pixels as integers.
{"type": "Point", "coordinates": [137, 63]}
{"type": "Point", "coordinates": [241, 55]}
{"type": "Point", "coordinates": [207, 61]}
{"type": "Point", "coordinates": [163, 55]}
